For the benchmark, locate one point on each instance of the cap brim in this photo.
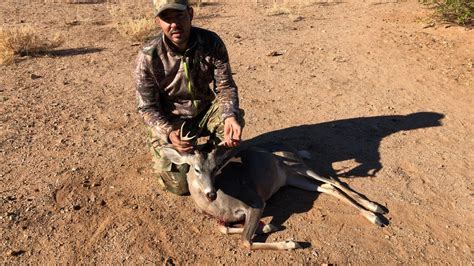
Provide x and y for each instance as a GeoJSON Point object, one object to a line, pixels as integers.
{"type": "Point", "coordinates": [179, 7]}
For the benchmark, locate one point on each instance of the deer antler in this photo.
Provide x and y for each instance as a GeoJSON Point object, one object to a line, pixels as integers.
{"type": "Point", "coordinates": [185, 137]}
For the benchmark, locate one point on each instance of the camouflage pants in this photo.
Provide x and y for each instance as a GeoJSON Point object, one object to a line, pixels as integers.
{"type": "Point", "coordinates": [173, 177]}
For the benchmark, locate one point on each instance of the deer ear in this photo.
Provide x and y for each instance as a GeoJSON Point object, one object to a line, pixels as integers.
{"type": "Point", "coordinates": [212, 155]}
{"type": "Point", "coordinates": [173, 155]}
{"type": "Point", "coordinates": [222, 155]}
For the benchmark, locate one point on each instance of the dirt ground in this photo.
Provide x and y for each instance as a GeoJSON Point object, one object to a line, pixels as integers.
{"type": "Point", "coordinates": [378, 94]}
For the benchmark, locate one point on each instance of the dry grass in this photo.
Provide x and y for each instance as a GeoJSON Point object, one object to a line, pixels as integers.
{"type": "Point", "coordinates": [134, 20]}
{"type": "Point", "coordinates": [22, 41]}
{"type": "Point", "coordinates": [291, 8]}
{"type": "Point", "coordinates": [137, 26]}
{"type": "Point", "coordinates": [84, 1]}
{"type": "Point", "coordinates": [137, 30]}
{"type": "Point", "coordinates": [279, 9]}
{"type": "Point", "coordinates": [287, 7]}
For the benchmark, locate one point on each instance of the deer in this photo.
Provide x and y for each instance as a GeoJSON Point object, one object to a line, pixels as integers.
{"type": "Point", "coordinates": [237, 192]}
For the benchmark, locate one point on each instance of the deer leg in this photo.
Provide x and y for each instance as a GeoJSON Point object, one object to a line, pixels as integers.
{"type": "Point", "coordinates": [301, 182]}
{"type": "Point", "coordinates": [252, 219]}
{"type": "Point", "coordinates": [330, 190]}
{"type": "Point", "coordinates": [369, 205]}
{"type": "Point", "coordinates": [262, 229]}
{"type": "Point", "coordinates": [229, 230]}
{"type": "Point", "coordinates": [307, 184]}
{"type": "Point", "coordinates": [283, 245]}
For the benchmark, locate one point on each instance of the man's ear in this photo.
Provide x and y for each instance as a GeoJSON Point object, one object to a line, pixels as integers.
{"type": "Point", "coordinates": [173, 155]}
{"type": "Point", "coordinates": [191, 12]}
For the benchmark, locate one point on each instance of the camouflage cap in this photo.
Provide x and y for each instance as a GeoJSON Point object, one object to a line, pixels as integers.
{"type": "Point", "coordinates": [162, 5]}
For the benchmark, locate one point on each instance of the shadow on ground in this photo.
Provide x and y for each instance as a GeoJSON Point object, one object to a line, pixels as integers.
{"type": "Point", "coordinates": [70, 52]}
{"type": "Point", "coordinates": [349, 139]}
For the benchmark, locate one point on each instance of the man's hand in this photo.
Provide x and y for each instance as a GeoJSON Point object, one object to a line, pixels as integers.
{"type": "Point", "coordinates": [182, 146]}
{"type": "Point", "coordinates": [232, 132]}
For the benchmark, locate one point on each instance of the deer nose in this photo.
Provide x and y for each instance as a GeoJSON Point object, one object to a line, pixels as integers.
{"type": "Point", "coordinates": [211, 196]}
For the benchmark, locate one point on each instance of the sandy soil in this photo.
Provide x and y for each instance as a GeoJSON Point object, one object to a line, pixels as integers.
{"type": "Point", "coordinates": [381, 97]}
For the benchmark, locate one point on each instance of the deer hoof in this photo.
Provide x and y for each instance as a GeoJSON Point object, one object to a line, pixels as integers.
{"type": "Point", "coordinates": [379, 222]}
{"type": "Point", "coordinates": [374, 207]}
{"type": "Point", "coordinates": [223, 229]}
{"type": "Point", "coordinates": [380, 210]}
{"type": "Point", "coordinates": [268, 228]}
{"type": "Point", "coordinates": [289, 245]}
{"type": "Point", "coordinates": [373, 218]}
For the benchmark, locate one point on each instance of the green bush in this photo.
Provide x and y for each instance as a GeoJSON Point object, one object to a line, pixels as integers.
{"type": "Point", "coordinates": [457, 11]}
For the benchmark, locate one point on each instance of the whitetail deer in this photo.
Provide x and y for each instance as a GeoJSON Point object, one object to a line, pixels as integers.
{"type": "Point", "coordinates": [240, 194]}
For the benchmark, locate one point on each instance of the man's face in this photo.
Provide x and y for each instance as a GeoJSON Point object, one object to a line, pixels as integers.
{"type": "Point", "coordinates": [176, 26]}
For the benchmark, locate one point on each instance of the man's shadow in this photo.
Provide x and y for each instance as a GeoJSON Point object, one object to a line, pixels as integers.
{"type": "Point", "coordinates": [355, 139]}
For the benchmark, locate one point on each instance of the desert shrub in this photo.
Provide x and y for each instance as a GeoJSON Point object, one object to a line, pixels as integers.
{"type": "Point", "coordinates": [137, 30]}
{"type": "Point", "coordinates": [84, 1]}
{"type": "Point", "coordinates": [23, 41]}
{"type": "Point", "coordinates": [291, 7]}
{"type": "Point", "coordinates": [457, 11]}
{"type": "Point", "coordinates": [135, 23]}
{"type": "Point", "coordinates": [134, 20]}
{"type": "Point", "coordinates": [278, 9]}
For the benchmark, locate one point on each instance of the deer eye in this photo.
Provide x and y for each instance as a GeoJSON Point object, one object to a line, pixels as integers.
{"type": "Point", "coordinates": [198, 171]}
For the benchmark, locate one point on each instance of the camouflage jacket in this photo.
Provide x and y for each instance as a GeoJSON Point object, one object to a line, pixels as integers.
{"type": "Point", "coordinates": [171, 87]}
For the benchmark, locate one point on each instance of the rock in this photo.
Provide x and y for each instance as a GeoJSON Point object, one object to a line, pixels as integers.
{"type": "Point", "coordinates": [276, 53]}
{"type": "Point", "coordinates": [10, 198]}
{"type": "Point", "coordinates": [297, 18]}
{"type": "Point", "coordinates": [168, 262]}
{"type": "Point", "coordinates": [339, 59]}
{"type": "Point", "coordinates": [432, 24]}
{"type": "Point", "coordinates": [16, 253]}
{"type": "Point", "coordinates": [13, 216]}
{"type": "Point", "coordinates": [73, 23]}
{"type": "Point", "coordinates": [34, 76]}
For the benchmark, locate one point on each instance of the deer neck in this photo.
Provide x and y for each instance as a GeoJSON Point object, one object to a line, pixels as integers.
{"type": "Point", "coordinates": [196, 192]}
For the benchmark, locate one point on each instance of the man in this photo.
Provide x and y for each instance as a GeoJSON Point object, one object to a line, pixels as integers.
{"type": "Point", "coordinates": [173, 77]}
